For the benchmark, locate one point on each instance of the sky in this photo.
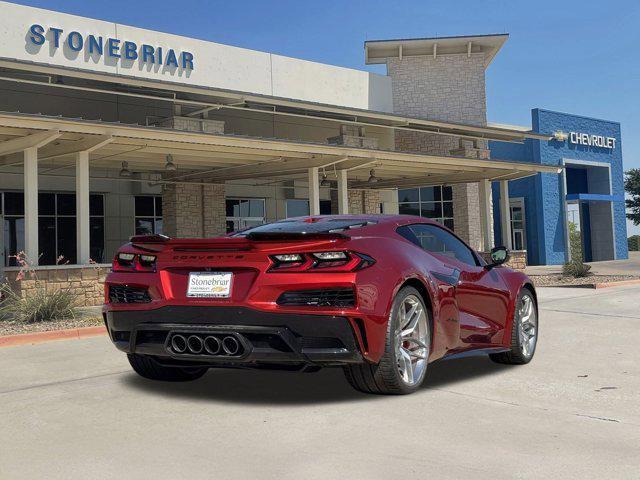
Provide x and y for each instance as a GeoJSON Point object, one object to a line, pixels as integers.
{"type": "Point", "coordinates": [572, 56]}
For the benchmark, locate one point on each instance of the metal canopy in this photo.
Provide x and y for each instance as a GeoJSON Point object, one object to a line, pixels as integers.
{"type": "Point", "coordinates": [202, 157]}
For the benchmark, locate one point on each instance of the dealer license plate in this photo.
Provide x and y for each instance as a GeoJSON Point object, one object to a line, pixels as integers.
{"type": "Point", "coordinates": [209, 284]}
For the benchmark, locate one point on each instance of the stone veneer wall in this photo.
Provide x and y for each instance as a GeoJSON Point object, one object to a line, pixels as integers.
{"type": "Point", "coordinates": [86, 283]}
{"type": "Point", "coordinates": [360, 201]}
{"type": "Point", "coordinates": [193, 210]}
{"type": "Point", "coordinates": [448, 88]}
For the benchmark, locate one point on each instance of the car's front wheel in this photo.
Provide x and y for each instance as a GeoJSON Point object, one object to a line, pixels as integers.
{"type": "Point", "coordinates": [403, 366]}
{"type": "Point", "coordinates": [524, 331]}
{"type": "Point", "coordinates": [148, 368]}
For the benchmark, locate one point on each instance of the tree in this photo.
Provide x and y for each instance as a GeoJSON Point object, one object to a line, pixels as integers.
{"type": "Point", "coordinates": [632, 187]}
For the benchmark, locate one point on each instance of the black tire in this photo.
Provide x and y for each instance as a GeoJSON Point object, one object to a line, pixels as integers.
{"type": "Point", "coordinates": [384, 377]}
{"type": "Point", "coordinates": [148, 368]}
{"type": "Point", "coordinates": [515, 356]}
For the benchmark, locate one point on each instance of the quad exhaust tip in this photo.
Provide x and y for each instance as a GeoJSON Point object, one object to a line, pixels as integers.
{"type": "Point", "coordinates": [210, 345]}
{"type": "Point", "coordinates": [195, 344]}
{"type": "Point", "coordinates": [230, 345]}
{"type": "Point", "coordinates": [179, 344]}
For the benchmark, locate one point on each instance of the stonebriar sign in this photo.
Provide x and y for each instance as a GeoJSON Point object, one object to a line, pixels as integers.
{"type": "Point", "coordinates": [115, 48]}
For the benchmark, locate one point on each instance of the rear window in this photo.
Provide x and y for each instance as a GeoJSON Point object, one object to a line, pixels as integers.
{"type": "Point", "coordinates": [306, 226]}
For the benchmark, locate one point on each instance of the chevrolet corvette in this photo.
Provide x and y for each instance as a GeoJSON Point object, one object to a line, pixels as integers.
{"type": "Point", "coordinates": [380, 296]}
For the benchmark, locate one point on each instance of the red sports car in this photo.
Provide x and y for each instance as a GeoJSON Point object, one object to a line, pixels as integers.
{"type": "Point", "coordinates": [380, 296]}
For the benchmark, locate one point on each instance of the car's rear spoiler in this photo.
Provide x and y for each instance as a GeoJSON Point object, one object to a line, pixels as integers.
{"type": "Point", "coordinates": [156, 238]}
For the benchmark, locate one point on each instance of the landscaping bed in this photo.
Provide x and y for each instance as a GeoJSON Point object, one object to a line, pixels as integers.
{"type": "Point", "coordinates": [8, 327]}
{"type": "Point", "coordinates": [559, 280]}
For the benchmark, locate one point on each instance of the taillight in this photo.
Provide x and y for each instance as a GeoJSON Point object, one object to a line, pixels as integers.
{"type": "Point", "coordinates": [336, 261]}
{"type": "Point", "coordinates": [131, 262]}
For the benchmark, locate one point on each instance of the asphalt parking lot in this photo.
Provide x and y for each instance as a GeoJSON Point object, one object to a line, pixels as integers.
{"type": "Point", "coordinates": [73, 409]}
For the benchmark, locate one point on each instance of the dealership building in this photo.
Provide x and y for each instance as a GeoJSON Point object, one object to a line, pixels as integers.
{"type": "Point", "coordinates": [108, 130]}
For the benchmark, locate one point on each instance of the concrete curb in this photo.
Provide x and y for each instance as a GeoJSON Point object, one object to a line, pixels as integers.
{"type": "Point", "coordinates": [52, 335]}
{"type": "Point", "coordinates": [614, 284]}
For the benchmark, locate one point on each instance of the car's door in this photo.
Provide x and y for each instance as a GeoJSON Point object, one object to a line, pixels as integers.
{"type": "Point", "coordinates": [481, 295]}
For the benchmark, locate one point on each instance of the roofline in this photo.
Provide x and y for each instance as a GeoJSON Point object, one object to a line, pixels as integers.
{"type": "Point", "coordinates": [384, 119]}
{"type": "Point", "coordinates": [450, 37]}
{"type": "Point", "coordinates": [586, 117]}
{"type": "Point", "coordinates": [487, 44]}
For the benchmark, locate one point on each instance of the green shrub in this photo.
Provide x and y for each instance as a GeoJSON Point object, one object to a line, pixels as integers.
{"type": "Point", "coordinates": [37, 306]}
{"type": "Point", "coordinates": [634, 243]}
{"type": "Point", "coordinates": [575, 242]}
{"type": "Point", "coordinates": [576, 269]}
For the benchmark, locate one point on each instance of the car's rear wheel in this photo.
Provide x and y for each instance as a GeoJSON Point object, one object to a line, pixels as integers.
{"type": "Point", "coordinates": [148, 368]}
{"type": "Point", "coordinates": [524, 332]}
{"type": "Point", "coordinates": [403, 366]}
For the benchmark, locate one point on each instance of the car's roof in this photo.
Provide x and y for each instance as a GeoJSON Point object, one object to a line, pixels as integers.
{"type": "Point", "coordinates": [330, 224]}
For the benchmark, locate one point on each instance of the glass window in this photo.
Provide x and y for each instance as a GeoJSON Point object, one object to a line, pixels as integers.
{"type": "Point", "coordinates": [144, 226]}
{"type": "Point", "coordinates": [429, 202]}
{"type": "Point", "coordinates": [13, 239]}
{"type": "Point", "coordinates": [297, 208]}
{"type": "Point", "coordinates": [244, 212]}
{"type": "Point", "coordinates": [431, 210]}
{"type": "Point", "coordinates": [325, 207]}
{"type": "Point", "coordinates": [96, 239]}
{"type": "Point", "coordinates": [66, 204]}
{"type": "Point", "coordinates": [158, 205]}
{"type": "Point", "coordinates": [436, 240]}
{"type": "Point", "coordinates": [56, 227]}
{"type": "Point", "coordinates": [148, 214]}
{"type": "Point", "coordinates": [47, 240]}
{"type": "Point", "coordinates": [144, 206]}
{"type": "Point", "coordinates": [408, 195]}
{"type": "Point", "coordinates": [66, 237]}
{"type": "Point", "coordinates": [430, 194]}
{"type": "Point", "coordinates": [13, 203]}
{"type": "Point", "coordinates": [96, 205]}
{"type": "Point", "coordinates": [409, 208]}
{"type": "Point", "coordinates": [46, 204]}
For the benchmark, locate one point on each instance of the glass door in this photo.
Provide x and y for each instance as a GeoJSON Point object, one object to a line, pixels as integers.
{"type": "Point", "coordinates": [518, 228]}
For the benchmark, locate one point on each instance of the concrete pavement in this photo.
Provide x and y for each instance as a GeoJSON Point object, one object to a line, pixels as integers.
{"type": "Point", "coordinates": [73, 409]}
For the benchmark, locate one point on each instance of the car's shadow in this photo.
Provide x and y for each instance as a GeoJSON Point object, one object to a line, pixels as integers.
{"type": "Point", "coordinates": [287, 388]}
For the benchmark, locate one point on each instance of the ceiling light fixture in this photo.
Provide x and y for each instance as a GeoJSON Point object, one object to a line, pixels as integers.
{"type": "Point", "coordinates": [124, 171]}
{"type": "Point", "coordinates": [169, 165]}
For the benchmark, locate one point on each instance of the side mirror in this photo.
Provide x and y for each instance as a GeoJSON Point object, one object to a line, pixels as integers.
{"type": "Point", "coordinates": [499, 255]}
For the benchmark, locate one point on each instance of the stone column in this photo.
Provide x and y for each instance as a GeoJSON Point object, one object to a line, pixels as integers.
{"type": "Point", "coordinates": [450, 88]}
{"type": "Point", "coordinates": [355, 202]}
{"type": "Point", "coordinates": [182, 213]}
{"type": "Point", "coordinates": [214, 210]}
{"type": "Point", "coordinates": [193, 210]}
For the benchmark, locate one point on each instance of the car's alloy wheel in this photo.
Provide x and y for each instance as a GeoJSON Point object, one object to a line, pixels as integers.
{"type": "Point", "coordinates": [411, 337]}
{"type": "Point", "coordinates": [403, 365]}
{"type": "Point", "coordinates": [524, 332]}
{"type": "Point", "coordinates": [528, 325]}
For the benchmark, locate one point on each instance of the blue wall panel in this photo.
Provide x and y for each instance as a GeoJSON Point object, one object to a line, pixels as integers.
{"type": "Point", "coordinates": [544, 193]}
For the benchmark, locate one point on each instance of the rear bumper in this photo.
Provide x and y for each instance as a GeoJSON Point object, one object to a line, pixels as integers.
{"type": "Point", "coordinates": [268, 339]}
